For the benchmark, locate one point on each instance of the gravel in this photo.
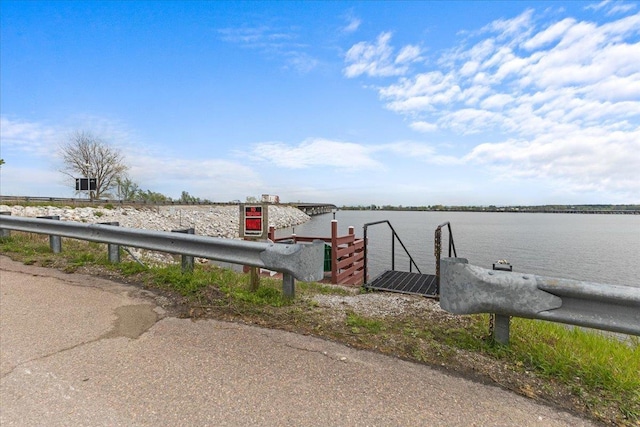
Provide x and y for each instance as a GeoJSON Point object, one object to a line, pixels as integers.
{"type": "Point", "coordinates": [214, 221]}
{"type": "Point", "coordinates": [378, 304]}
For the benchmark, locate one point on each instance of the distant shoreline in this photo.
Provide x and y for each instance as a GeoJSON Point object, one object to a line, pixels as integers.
{"type": "Point", "coordinates": [586, 209]}
{"type": "Point", "coordinates": [606, 209]}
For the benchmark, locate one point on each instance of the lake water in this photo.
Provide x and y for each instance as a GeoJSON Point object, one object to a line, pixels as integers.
{"type": "Point", "coordinates": [594, 248]}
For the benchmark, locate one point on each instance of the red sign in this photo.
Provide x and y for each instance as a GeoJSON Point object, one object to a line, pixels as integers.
{"type": "Point", "coordinates": [253, 221]}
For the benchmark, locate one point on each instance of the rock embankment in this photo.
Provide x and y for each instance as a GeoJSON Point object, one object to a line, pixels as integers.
{"type": "Point", "coordinates": [215, 221]}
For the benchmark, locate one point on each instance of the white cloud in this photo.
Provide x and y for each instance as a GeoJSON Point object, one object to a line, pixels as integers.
{"type": "Point", "coordinates": [301, 62]}
{"type": "Point", "coordinates": [352, 25]}
{"type": "Point", "coordinates": [315, 152]}
{"type": "Point", "coordinates": [422, 126]}
{"type": "Point", "coordinates": [551, 34]}
{"type": "Point", "coordinates": [423, 92]}
{"type": "Point", "coordinates": [469, 68]}
{"type": "Point", "coordinates": [256, 37]}
{"type": "Point", "coordinates": [155, 168]}
{"type": "Point", "coordinates": [591, 159]}
{"type": "Point", "coordinates": [32, 137]}
{"type": "Point", "coordinates": [408, 53]}
{"type": "Point", "coordinates": [565, 93]}
{"type": "Point", "coordinates": [377, 59]}
{"type": "Point", "coordinates": [349, 156]}
{"type": "Point", "coordinates": [598, 6]}
{"type": "Point", "coordinates": [408, 149]}
{"type": "Point", "coordinates": [281, 42]}
{"type": "Point", "coordinates": [612, 7]}
{"type": "Point", "coordinates": [621, 8]}
{"type": "Point", "coordinates": [497, 101]}
{"type": "Point", "coordinates": [515, 27]}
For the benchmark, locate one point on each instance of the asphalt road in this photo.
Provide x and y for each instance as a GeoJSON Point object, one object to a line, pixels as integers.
{"type": "Point", "coordinates": [77, 350]}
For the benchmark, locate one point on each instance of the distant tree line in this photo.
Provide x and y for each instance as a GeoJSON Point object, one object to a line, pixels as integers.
{"type": "Point", "coordinates": [493, 208]}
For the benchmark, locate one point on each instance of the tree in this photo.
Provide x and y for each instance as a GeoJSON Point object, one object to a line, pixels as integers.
{"type": "Point", "coordinates": [91, 157]}
{"type": "Point", "coordinates": [151, 197]}
{"type": "Point", "coordinates": [187, 198]}
{"type": "Point", "coordinates": [1, 162]}
{"type": "Point", "coordinates": [127, 189]}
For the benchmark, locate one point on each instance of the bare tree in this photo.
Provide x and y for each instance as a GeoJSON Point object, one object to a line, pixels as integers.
{"type": "Point", "coordinates": [90, 157]}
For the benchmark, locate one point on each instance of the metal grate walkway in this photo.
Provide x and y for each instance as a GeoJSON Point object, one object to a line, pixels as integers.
{"type": "Point", "coordinates": [406, 283]}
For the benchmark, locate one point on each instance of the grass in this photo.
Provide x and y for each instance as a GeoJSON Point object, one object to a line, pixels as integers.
{"type": "Point", "coordinates": [359, 323]}
{"type": "Point", "coordinates": [595, 366]}
{"type": "Point", "coordinates": [592, 373]}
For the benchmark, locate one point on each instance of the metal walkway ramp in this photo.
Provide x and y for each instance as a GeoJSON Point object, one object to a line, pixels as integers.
{"type": "Point", "coordinates": [406, 283]}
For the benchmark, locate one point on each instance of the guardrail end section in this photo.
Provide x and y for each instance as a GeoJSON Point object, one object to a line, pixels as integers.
{"type": "Point", "coordinates": [304, 262]}
{"type": "Point", "coordinates": [468, 289]}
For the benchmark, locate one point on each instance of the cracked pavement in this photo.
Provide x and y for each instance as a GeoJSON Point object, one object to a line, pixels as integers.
{"type": "Point", "coordinates": [79, 350]}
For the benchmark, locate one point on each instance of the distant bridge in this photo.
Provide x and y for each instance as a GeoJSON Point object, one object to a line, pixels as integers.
{"type": "Point", "coordinates": [312, 209]}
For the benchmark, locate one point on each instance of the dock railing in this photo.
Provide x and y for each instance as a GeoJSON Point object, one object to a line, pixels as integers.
{"type": "Point", "coordinates": [346, 257]}
{"type": "Point", "coordinates": [394, 237]}
{"type": "Point", "coordinates": [437, 249]}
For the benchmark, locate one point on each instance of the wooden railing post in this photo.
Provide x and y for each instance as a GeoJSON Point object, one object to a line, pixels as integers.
{"type": "Point", "coordinates": [351, 245]}
{"type": "Point", "coordinates": [334, 252]}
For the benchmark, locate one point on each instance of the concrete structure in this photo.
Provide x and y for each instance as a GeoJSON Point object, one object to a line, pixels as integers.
{"type": "Point", "coordinates": [270, 198]}
{"type": "Point", "coordinates": [312, 209]}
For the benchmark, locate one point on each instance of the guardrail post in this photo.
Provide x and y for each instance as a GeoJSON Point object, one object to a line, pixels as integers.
{"type": "Point", "coordinates": [187, 260]}
{"type": "Point", "coordinates": [499, 323]}
{"type": "Point", "coordinates": [5, 232]}
{"type": "Point", "coordinates": [55, 242]}
{"type": "Point", "coordinates": [113, 249]}
{"type": "Point", "coordinates": [288, 286]}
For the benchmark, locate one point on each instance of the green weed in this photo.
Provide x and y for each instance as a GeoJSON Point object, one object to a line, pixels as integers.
{"type": "Point", "coordinates": [359, 324]}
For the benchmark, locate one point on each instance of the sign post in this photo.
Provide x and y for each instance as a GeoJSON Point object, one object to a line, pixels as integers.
{"type": "Point", "coordinates": [86, 184]}
{"type": "Point", "coordinates": [253, 226]}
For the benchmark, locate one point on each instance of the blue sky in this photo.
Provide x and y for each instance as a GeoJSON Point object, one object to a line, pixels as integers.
{"type": "Point", "coordinates": [401, 103]}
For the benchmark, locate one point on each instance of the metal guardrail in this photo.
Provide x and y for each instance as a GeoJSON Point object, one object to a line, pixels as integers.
{"type": "Point", "coordinates": [302, 262]}
{"type": "Point", "coordinates": [468, 289]}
